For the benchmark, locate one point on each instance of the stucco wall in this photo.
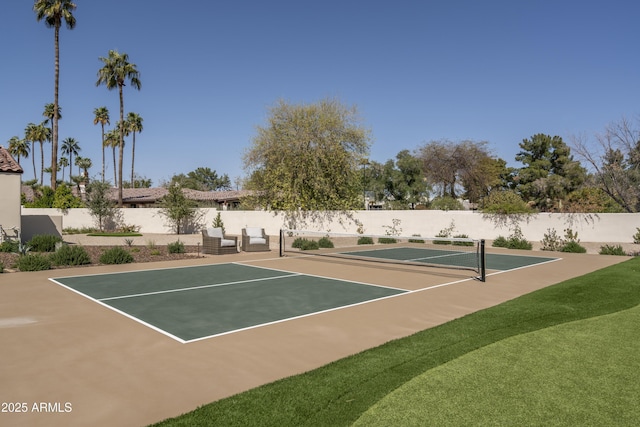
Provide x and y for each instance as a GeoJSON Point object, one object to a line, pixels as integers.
{"type": "Point", "coordinates": [591, 228]}
{"type": "Point", "coordinates": [10, 203]}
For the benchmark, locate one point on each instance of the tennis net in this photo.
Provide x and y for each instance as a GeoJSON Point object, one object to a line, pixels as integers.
{"type": "Point", "coordinates": [442, 252]}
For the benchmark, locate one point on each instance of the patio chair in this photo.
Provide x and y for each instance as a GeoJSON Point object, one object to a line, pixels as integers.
{"type": "Point", "coordinates": [214, 242]}
{"type": "Point", "coordinates": [254, 239]}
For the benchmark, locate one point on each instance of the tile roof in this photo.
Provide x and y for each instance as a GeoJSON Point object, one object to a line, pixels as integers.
{"type": "Point", "coordinates": [151, 195]}
{"type": "Point", "coordinates": [8, 163]}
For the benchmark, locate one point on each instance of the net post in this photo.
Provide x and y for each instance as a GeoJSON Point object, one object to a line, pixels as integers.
{"type": "Point", "coordinates": [281, 242]}
{"type": "Point", "coordinates": [483, 265]}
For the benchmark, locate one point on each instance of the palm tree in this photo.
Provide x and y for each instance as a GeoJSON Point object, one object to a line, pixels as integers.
{"type": "Point", "coordinates": [29, 132]}
{"type": "Point", "coordinates": [54, 12]}
{"type": "Point", "coordinates": [49, 113]}
{"type": "Point", "coordinates": [84, 163]}
{"type": "Point", "coordinates": [115, 72]}
{"type": "Point", "coordinates": [63, 163]}
{"type": "Point", "coordinates": [112, 139]}
{"type": "Point", "coordinates": [101, 115]}
{"type": "Point", "coordinates": [18, 147]}
{"type": "Point", "coordinates": [134, 124]}
{"type": "Point", "coordinates": [71, 147]}
{"type": "Point", "coordinates": [40, 133]}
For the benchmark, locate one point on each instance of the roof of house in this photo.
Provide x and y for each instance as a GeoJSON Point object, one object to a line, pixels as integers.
{"type": "Point", "coordinates": [8, 163]}
{"type": "Point", "coordinates": [151, 195]}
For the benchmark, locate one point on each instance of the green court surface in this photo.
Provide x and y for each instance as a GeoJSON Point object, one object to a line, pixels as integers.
{"type": "Point", "coordinates": [450, 257]}
{"type": "Point", "coordinates": [192, 303]}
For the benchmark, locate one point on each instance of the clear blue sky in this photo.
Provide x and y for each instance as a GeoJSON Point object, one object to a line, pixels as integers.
{"type": "Point", "coordinates": [496, 71]}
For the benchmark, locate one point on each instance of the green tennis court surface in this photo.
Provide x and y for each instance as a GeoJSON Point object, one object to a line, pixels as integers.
{"type": "Point", "coordinates": [192, 303]}
{"type": "Point", "coordinates": [450, 257]}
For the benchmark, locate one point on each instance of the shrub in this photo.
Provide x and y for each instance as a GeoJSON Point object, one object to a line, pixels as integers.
{"type": "Point", "coordinates": [71, 255]}
{"type": "Point", "coordinates": [298, 242]}
{"type": "Point", "coordinates": [176, 248]}
{"type": "Point", "coordinates": [308, 245]}
{"type": "Point", "coordinates": [116, 255]}
{"type": "Point", "coordinates": [9, 246]}
{"type": "Point", "coordinates": [416, 240]}
{"type": "Point", "coordinates": [462, 236]}
{"type": "Point", "coordinates": [515, 241]}
{"type": "Point", "coordinates": [305, 244]}
{"type": "Point", "coordinates": [572, 243]}
{"type": "Point", "coordinates": [551, 241]}
{"type": "Point", "coordinates": [325, 242]}
{"type": "Point", "coordinates": [44, 243]}
{"type": "Point", "coordinates": [33, 262]}
{"type": "Point", "coordinates": [155, 252]}
{"type": "Point", "coordinates": [365, 240]}
{"type": "Point", "coordinates": [445, 203]}
{"type": "Point", "coordinates": [612, 250]}
{"type": "Point", "coordinates": [1, 267]}
{"type": "Point", "coordinates": [574, 247]}
{"type": "Point", "coordinates": [636, 237]}
{"type": "Point", "coordinates": [387, 240]}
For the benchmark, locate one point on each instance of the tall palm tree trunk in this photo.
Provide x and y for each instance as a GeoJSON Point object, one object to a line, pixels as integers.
{"type": "Point", "coordinates": [33, 158]}
{"type": "Point", "coordinates": [121, 150]}
{"type": "Point", "coordinates": [133, 156]}
{"type": "Point", "coordinates": [54, 125]}
{"type": "Point", "coordinates": [103, 152]}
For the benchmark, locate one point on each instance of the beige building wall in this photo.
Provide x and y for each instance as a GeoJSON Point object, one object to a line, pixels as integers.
{"type": "Point", "coordinates": [591, 227]}
{"type": "Point", "coordinates": [10, 203]}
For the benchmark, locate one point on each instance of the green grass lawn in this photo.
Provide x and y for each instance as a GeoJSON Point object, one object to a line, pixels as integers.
{"type": "Point", "coordinates": [564, 355]}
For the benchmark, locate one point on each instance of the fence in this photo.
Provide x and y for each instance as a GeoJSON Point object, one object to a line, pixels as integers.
{"type": "Point", "coordinates": [590, 227]}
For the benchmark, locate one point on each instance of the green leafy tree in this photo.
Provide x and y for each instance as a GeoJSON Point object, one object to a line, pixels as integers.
{"type": "Point", "coordinates": [115, 73]}
{"type": "Point", "coordinates": [308, 158]}
{"type": "Point", "coordinates": [139, 182]}
{"type": "Point", "coordinates": [203, 179]}
{"type": "Point", "coordinates": [182, 213]}
{"type": "Point", "coordinates": [100, 205]}
{"type": "Point", "coordinates": [549, 173]}
{"type": "Point", "coordinates": [462, 168]}
{"type": "Point", "coordinates": [101, 115]}
{"type": "Point", "coordinates": [64, 199]}
{"type": "Point", "coordinates": [403, 181]}
{"type": "Point", "coordinates": [54, 12]}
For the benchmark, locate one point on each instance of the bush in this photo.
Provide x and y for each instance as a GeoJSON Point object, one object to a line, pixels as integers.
{"type": "Point", "coordinates": [298, 242]}
{"type": "Point", "coordinates": [33, 262]}
{"type": "Point", "coordinates": [572, 243]}
{"type": "Point", "coordinates": [305, 244]}
{"type": "Point", "coordinates": [308, 245]}
{"type": "Point", "coordinates": [176, 248]}
{"type": "Point", "coordinates": [9, 246]}
{"type": "Point", "coordinates": [515, 241]}
{"type": "Point", "coordinates": [1, 267]}
{"type": "Point", "coordinates": [116, 255]}
{"type": "Point", "coordinates": [387, 240]}
{"type": "Point", "coordinates": [44, 243]}
{"type": "Point", "coordinates": [574, 247]}
{"type": "Point", "coordinates": [71, 255]}
{"type": "Point", "coordinates": [325, 242]}
{"type": "Point", "coordinates": [612, 250]}
{"type": "Point", "coordinates": [462, 236]}
{"type": "Point", "coordinates": [416, 240]}
{"type": "Point", "coordinates": [636, 237]}
{"type": "Point", "coordinates": [551, 241]}
{"type": "Point", "coordinates": [364, 240]}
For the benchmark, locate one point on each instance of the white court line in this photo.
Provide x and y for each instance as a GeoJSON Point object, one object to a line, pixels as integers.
{"type": "Point", "coordinates": [322, 277]}
{"type": "Point", "coordinates": [169, 291]}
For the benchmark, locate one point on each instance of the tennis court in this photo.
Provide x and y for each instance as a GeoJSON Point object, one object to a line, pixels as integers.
{"type": "Point", "coordinates": [193, 303]}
